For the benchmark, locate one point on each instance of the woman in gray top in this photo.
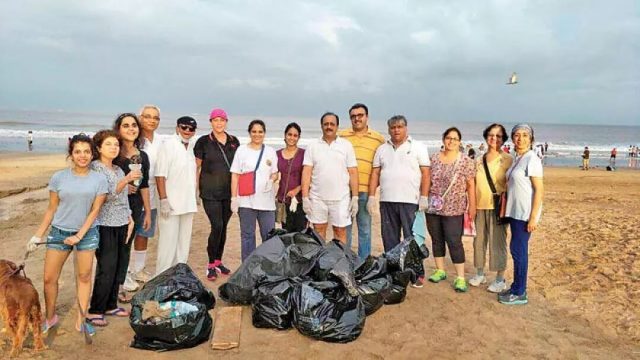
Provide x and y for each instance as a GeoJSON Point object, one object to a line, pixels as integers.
{"type": "Point", "coordinates": [114, 225]}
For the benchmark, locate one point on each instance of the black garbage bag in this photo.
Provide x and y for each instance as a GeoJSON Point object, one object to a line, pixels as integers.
{"type": "Point", "coordinates": [337, 262]}
{"type": "Point", "coordinates": [288, 255]}
{"type": "Point", "coordinates": [272, 303]}
{"type": "Point", "coordinates": [372, 267]}
{"type": "Point", "coordinates": [398, 289]}
{"type": "Point", "coordinates": [178, 284]}
{"type": "Point", "coordinates": [325, 311]}
{"type": "Point", "coordinates": [374, 292]}
{"type": "Point", "coordinates": [407, 255]}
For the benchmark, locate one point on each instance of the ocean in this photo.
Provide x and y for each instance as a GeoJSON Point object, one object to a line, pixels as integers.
{"type": "Point", "coordinates": [51, 129]}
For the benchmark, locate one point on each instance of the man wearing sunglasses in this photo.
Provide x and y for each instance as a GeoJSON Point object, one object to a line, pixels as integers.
{"type": "Point", "coordinates": [176, 181]}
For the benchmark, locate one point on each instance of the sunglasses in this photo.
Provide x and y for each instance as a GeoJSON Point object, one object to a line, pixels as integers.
{"type": "Point", "coordinates": [187, 128]}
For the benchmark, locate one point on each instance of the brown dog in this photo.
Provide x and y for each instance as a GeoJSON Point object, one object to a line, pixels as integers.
{"type": "Point", "coordinates": [19, 307]}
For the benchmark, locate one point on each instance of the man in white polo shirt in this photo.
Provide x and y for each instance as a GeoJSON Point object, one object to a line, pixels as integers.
{"type": "Point", "coordinates": [402, 168]}
{"type": "Point", "coordinates": [176, 180]}
{"type": "Point", "coordinates": [330, 180]}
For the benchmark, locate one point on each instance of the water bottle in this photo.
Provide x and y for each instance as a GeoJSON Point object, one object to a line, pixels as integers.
{"type": "Point", "coordinates": [135, 164]}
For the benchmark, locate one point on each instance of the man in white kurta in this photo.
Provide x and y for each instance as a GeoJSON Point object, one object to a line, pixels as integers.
{"type": "Point", "coordinates": [175, 174]}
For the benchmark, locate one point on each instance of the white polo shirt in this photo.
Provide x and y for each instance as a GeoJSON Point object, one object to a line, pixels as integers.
{"type": "Point", "coordinates": [330, 177]}
{"type": "Point", "coordinates": [151, 148]}
{"type": "Point", "coordinates": [178, 165]}
{"type": "Point", "coordinates": [400, 175]}
{"type": "Point", "coordinates": [244, 161]}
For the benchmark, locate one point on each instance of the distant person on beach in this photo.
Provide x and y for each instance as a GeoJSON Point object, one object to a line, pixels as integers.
{"type": "Point", "coordinates": [452, 193]}
{"type": "Point", "coordinates": [401, 167]}
{"type": "Point", "coordinates": [471, 153]}
{"type": "Point", "coordinates": [546, 147]}
{"type": "Point", "coordinates": [365, 142]}
{"type": "Point", "coordinates": [630, 151]}
{"type": "Point", "coordinates": [30, 140]}
{"type": "Point", "coordinates": [330, 180]}
{"type": "Point", "coordinates": [612, 159]}
{"type": "Point", "coordinates": [131, 157]}
{"type": "Point", "coordinates": [585, 158]}
{"type": "Point", "coordinates": [176, 179]}
{"type": "Point", "coordinates": [481, 150]}
{"type": "Point", "coordinates": [253, 172]}
{"type": "Point", "coordinates": [289, 194]}
{"type": "Point", "coordinates": [491, 235]}
{"type": "Point", "coordinates": [115, 225]}
{"type": "Point", "coordinates": [214, 154]}
{"type": "Point", "coordinates": [75, 197]}
{"type": "Point", "coordinates": [524, 206]}
{"type": "Point", "coordinates": [150, 144]}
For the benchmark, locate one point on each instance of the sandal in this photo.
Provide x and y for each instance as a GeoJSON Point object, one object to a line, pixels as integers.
{"type": "Point", "coordinates": [96, 321]}
{"type": "Point", "coordinates": [119, 312]}
{"type": "Point", "coordinates": [88, 327]}
{"type": "Point", "coordinates": [124, 297]}
{"type": "Point", "coordinates": [46, 326]}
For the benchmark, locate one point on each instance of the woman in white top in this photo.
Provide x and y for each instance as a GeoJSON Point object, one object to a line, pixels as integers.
{"type": "Point", "coordinates": [524, 205]}
{"type": "Point", "coordinates": [258, 204]}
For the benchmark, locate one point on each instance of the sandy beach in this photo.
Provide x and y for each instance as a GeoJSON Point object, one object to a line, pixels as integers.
{"type": "Point", "coordinates": [584, 285]}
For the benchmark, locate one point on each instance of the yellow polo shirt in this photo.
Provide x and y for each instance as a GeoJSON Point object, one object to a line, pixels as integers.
{"type": "Point", "coordinates": [365, 147]}
{"type": "Point", "coordinates": [498, 169]}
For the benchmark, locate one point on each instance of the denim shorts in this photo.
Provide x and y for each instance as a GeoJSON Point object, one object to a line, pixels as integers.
{"type": "Point", "coordinates": [152, 229]}
{"type": "Point", "coordinates": [55, 239]}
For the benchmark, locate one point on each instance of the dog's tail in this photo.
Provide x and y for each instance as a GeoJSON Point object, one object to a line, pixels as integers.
{"type": "Point", "coordinates": [35, 322]}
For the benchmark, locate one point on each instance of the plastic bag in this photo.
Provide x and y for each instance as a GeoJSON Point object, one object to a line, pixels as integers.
{"type": "Point", "coordinates": [372, 267]}
{"type": "Point", "coordinates": [272, 303]}
{"type": "Point", "coordinates": [398, 289]}
{"type": "Point", "coordinates": [324, 310]}
{"type": "Point", "coordinates": [374, 292]}
{"type": "Point", "coordinates": [407, 255]}
{"type": "Point", "coordinates": [337, 262]}
{"type": "Point", "coordinates": [284, 255]}
{"type": "Point", "coordinates": [178, 284]}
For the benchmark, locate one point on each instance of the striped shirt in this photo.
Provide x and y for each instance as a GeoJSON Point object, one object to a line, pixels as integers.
{"type": "Point", "coordinates": [365, 147]}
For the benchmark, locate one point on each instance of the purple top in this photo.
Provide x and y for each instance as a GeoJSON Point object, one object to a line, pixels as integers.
{"type": "Point", "coordinates": [295, 178]}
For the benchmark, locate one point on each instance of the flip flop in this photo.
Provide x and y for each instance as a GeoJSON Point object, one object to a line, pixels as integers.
{"type": "Point", "coordinates": [96, 321]}
{"type": "Point", "coordinates": [124, 297]}
{"type": "Point", "coordinates": [119, 312]}
{"type": "Point", "coordinates": [88, 327]}
{"type": "Point", "coordinates": [46, 326]}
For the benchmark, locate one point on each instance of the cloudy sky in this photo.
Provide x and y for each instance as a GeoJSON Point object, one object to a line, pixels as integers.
{"type": "Point", "coordinates": [577, 61]}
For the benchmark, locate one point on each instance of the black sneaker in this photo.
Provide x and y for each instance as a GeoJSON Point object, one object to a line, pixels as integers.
{"type": "Point", "coordinates": [212, 275]}
{"type": "Point", "coordinates": [223, 269]}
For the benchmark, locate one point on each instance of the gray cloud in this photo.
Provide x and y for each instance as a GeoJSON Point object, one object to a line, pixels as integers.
{"type": "Point", "coordinates": [436, 60]}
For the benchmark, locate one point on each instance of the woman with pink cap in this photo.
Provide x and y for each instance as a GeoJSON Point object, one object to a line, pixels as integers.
{"type": "Point", "coordinates": [214, 154]}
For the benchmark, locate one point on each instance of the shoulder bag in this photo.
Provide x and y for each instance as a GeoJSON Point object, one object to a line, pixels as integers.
{"type": "Point", "coordinates": [247, 181]}
{"type": "Point", "coordinates": [499, 200]}
{"type": "Point", "coordinates": [436, 202]}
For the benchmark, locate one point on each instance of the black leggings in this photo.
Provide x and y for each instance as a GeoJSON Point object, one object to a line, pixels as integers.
{"type": "Point", "coordinates": [446, 229]}
{"type": "Point", "coordinates": [219, 213]}
{"type": "Point", "coordinates": [111, 254]}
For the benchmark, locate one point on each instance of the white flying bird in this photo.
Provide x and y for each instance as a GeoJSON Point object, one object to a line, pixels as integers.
{"type": "Point", "coordinates": [513, 79]}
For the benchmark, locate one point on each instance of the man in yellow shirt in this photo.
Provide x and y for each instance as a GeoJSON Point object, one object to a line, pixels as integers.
{"type": "Point", "coordinates": [365, 142]}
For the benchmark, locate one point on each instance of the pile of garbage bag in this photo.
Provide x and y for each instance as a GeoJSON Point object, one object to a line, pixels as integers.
{"type": "Point", "coordinates": [171, 311]}
{"type": "Point", "coordinates": [322, 289]}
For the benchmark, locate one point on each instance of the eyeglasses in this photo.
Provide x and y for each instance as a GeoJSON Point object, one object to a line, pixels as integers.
{"type": "Point", "coordinates": [449, 138]}
{"type": "Point", "coordinates": [494, 136]}
{"type": "Point", "coordinates": [147, 116]}
{"type": "Point", "coordinates": [357, 116]}
{"type": "Point", "coordinates": [187, 128]}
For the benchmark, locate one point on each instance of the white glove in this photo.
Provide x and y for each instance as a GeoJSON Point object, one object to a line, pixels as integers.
{"type": "Point", "coordinates": [268, 186]}
{"type": "Point", "coordinates": [235, 205]}
{"type": "Point", "coordinates": [33, 243]}
{"type": "Point", "coordinates": [294, 205]}
{"type": "Point", "coordinates": [165, 208]}
{"type": "Point", "coordinates": [423, 203]}
{"type": "Point", "coordinates": [371, 205]}
{"type": "Point", "coordinates": [353, 206]}
{"type": "Point", "coordinates": [306, 205]}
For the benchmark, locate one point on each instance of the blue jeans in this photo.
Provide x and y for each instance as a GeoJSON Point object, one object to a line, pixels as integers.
{"type": "Point", "coordinates": [363, 219]}
{"type": "Point", "coordinates": [520, 253]}
{"type": "Point", "coordinates": [266, 220]}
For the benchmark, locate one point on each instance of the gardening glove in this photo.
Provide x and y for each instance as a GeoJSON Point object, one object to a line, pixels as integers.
{"type": "Point", "coordinates": [294, 205]}
{"type": "Point", "coordinates": [306, 205]}
{"type": "Point", "coordinates": [353, 206]}
{"type": "Point", "coordinates": [33, 243]}
{"type": "Point", "coordinates": [165, 208]}
{"type": "Point", "coordinates": [371, 205]}
{"type": "Point", "coordinates": [423, 203]}
{"type": "Point", "coordinates": [235, 205]}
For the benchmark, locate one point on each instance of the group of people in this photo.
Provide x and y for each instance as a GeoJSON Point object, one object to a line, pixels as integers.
{"type": "Point", "coordinates": [125, 179]}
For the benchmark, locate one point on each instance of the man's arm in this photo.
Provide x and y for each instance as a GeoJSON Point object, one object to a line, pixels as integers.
{"type": "Point", "coordinates": [306, 180]}
{"type": "Point", "coordinates": [353, 180]}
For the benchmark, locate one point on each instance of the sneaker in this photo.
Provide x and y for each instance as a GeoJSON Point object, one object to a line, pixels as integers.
{"type": "Point", "coordinates": [129, 283]}
{"type": "Point", "coordinates": [212, 274]}
{"type": "Point", "coordinates": [460, 285]}
{"type": "Point", "coordinates": [477, 280]}
{"type": "Point", "coordinates": [437, 276]}
{"type": "Point", "coordinates": [223, 269]}
{"type": "Point", "coordinates": [142, 276]}
{"type": "Point", "coordinates": [496, 286]}
{"type": "Point", "coordinates": [511, 299]}
{"type": "Point", "coordinates": [419, 282]}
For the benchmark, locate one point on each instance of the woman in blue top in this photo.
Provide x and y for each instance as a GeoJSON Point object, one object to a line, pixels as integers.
{"type": "Point", "coordinates": [524, 205]}
{"type": "Point", "coordinates": [75, 197]}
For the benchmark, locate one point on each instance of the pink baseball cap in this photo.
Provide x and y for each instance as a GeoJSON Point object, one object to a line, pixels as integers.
{"type": "Point", "coordinates": [218, 113]}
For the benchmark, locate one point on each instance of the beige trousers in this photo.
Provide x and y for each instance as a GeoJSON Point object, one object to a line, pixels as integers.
{"type": "Point", "coordinates": [492, 236]}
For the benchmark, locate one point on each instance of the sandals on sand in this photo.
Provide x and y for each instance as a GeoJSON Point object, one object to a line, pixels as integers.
{"type": "Point", "coordinates": [46, 325]}
{"type": "Point", "coordinates": [125, 297]}
{"type": "Point", "coordinates": [97, 320]}
{"type": "Point", "coordinates": [120, 312]}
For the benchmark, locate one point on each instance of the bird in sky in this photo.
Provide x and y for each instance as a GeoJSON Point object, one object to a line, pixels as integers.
{"type": "Point", "coordinates": [513, 79]}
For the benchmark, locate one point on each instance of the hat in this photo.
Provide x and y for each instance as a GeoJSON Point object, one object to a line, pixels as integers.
{"type": "Point", "coordinates": [218, 113]}
{"type": "Point", "coordinates": [187, 120]}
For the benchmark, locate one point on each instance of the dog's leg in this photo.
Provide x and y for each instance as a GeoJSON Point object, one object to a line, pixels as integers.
{"type": "Point", "coordinates": [36, 327]}
{"type": "Point", "coordinates": [18, 336]}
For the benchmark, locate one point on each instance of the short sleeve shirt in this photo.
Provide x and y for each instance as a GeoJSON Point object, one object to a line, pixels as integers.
{"type": "Point", "coordinates": [245, 161]}
{"type": "Point", "coordinates": [177, 164]}
{"type": "Point", "coordinates": [151, 148]}
{"type": "Point", "coordinates": [135, 199]}
{"type": "Point", "coordinates": [519, 189]}
{"type": "Point", "coordinates": [400, 174]}
{"type": "Point", "coordinates": [215, 178]}
{"type": "Point", "coordinates": [365, 147]}
{"type": "Point", "coordinates": [115, 210]}
{"type": "Point", "coordinates": [330, 162]}
{"type": "Point", "coordinates": [497, 169]}
{"type": "Point", "coordinates": [76, 194]}
{"type": "Point", "coordinates": [455, 201]}
{"type": "Point", "coordinates": [290, 175]}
